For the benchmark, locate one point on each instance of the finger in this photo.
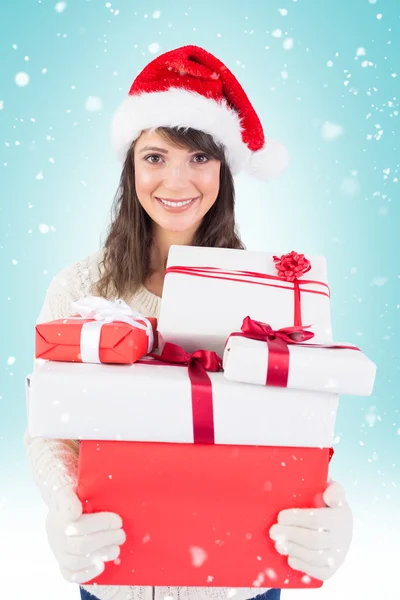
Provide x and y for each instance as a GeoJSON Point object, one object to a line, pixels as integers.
{"type": "Point", "coordinates": [76, 563]}
{"type": "Point", "coordinates": [309, 518]}
{"type": "Point", "coordinates": [308, 538]}
{"type": "Point", "coordinates": [84, 575]}
{"type": "Point", "coordinates": [321, 573]}
{"type": "Point", "coordinates": [94, 522]}
{"type": "Point", "coordinates": [334, 495]}
{"type": "Point", "coordinates": [82, 545]}
{"type": "Point", "coordinates": [318, 558]}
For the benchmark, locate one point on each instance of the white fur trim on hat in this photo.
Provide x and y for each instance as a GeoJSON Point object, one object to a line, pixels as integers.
{"type": "Point", "coordinates": [179, 107]}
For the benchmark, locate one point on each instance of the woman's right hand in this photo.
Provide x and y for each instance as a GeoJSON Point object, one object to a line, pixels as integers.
{"type": "Point", "coordinates": [81, 543]}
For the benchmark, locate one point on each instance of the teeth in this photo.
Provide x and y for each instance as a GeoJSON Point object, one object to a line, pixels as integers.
{"type": "Point", "coordinates": [172, 204]}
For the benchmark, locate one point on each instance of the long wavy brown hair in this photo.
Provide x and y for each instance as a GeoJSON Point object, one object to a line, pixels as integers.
{"type": "Point", "coordinates": [125, 263]}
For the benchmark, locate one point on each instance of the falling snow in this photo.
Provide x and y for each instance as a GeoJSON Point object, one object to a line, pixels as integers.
{"type": "Point", "coordinates": [331, 131]}
{"type": "Point", "coordinates": [199, 556]}
{"type": "Point", "coordinates": [154, 48]}
{"type": "Point", "coordinates": [60, 7]}
{"type": "Point", "coordinates": [22, 79]}
{"type": "Point", "coordinates": [288, 43]}
{"type": "Point", "coordinates": [94, 104]}
{"type": "Point", "coordinates": [379, 281]}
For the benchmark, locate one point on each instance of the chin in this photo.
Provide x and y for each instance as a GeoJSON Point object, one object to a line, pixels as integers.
{"type": "Point", "coordinates": [178, 227]}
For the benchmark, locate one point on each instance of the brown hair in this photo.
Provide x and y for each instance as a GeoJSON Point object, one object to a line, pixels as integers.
{"type": "Point", "coordinates": [126, 259]}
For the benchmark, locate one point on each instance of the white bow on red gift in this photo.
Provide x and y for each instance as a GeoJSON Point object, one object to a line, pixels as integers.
{"type": "Point", "coordinates": [102, 311]}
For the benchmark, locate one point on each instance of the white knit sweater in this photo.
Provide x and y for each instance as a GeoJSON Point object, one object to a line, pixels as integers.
{"type": "Point", "coordinates": [54, 463]}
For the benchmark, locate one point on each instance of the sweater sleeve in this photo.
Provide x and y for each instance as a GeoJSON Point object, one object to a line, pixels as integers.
{"type": "Point", "coordinates": [53, 462]}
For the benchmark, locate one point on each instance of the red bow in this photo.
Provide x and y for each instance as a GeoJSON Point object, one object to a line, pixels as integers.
{"type": "Point", "coordinates": [278, 341]}
{"type": "Point", "coordinates": [257, 330]}
{"type": "Point", "coordinates": [198, 364]}
{"type": "Point", "coordinates": [173, 353]}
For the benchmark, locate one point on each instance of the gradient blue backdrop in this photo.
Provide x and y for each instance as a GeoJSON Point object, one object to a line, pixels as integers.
{"type": "Point", "coordinates": [331, 95]}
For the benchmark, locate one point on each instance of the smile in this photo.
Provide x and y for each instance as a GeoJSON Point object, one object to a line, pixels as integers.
{"type": "Point", "coordinates": [175, 203]}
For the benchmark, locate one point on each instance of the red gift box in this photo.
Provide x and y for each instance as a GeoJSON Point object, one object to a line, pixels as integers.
{"type": "Point", "coordinates": [120, 342]}
{"type": "Point", "coordinates": [199, 515]}
{"type": "Point", "coordinates": [104, 331]}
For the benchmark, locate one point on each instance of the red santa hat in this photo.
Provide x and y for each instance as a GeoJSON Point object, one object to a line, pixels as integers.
{"type": "Point", "coordinates": [189, 87]}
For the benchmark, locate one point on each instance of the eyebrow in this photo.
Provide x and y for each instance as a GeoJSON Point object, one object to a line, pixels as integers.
{"type": "Point", "coordinates": [156, 149]}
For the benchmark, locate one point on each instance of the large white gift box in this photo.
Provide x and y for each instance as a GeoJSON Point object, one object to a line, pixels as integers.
{"type": "Point", "coordinates": [153, 403]}
{"type": "Point", "coordinates": [208, 291]}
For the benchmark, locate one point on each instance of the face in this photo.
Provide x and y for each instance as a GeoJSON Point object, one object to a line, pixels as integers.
{"type": "Point", "coordinates": [175, 186]}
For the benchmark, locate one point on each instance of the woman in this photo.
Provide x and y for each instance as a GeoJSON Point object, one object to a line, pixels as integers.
{"type": "Point", "coordinates": [186, 127]}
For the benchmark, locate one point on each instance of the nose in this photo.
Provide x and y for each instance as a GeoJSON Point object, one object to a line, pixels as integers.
{"type": "Point", "coordinates": [176, 177]}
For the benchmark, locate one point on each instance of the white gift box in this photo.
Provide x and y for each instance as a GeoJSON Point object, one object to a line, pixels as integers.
{"type": "Point", "coordinates": [201, 311]}
{"type": "Point", "coordinates": [153, 403]}
{"type": "Point", "coordinates": [338, 370]}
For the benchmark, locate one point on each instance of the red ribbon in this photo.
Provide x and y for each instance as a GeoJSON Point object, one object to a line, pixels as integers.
{"type": "Point", "coordinates": [198, 364]}
{"type": "Point", "coordinates": [278, 346]}
{"type": "Point", "coordinates": [216, 273]}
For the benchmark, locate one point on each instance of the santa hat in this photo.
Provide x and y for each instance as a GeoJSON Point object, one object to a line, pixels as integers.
{"type": "Point", "coordinates": [189, 87]}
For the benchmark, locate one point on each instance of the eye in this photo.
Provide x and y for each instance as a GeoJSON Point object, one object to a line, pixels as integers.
{"type": "Point", "coordinates": [152, 156]}
{"type": "Point", "coordinates": [203, 156]}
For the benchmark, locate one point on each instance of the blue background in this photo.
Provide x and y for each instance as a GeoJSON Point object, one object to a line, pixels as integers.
{"type": "Point", "coordinates": [339, 197]}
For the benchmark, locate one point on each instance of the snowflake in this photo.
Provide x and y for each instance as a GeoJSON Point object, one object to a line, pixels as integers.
{"type": "Point", "coordinates": [379, 281]}
{"type": "Point", "coordinates": [21, 79]}
{"type": "Point", "coordinates": [198, 556]}
{"type": "Point", "coordinates": [154, 48]}
{"type": "Point", "coordinates": [331, 131]}
{"type": "Point", "coordinates": [60, 7]}
{"type": "Point", "coordinates": [94, 104]}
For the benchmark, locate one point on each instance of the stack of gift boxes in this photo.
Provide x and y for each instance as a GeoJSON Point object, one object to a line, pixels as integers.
{"type": "Point", "coordinates": [199, 429]}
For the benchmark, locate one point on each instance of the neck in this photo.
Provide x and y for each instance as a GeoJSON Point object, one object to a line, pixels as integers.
{"type": "Point", "coordinates": [162, 241]}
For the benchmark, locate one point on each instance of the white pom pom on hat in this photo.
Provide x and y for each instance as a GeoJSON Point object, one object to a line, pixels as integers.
{"type": "Point", "coordinates": [190, 87]}
{"type": "Point", "coordinates": [269, 162]}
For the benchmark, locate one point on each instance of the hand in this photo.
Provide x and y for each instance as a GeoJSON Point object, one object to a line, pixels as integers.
{"type": "Point", "coordinates": [80, 542]}
{"type": "Point", "coordinates": [316, 540]}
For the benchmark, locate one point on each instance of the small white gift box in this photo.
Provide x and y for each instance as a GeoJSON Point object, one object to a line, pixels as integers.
{"type": "Point", "coordinates": [338, 368]}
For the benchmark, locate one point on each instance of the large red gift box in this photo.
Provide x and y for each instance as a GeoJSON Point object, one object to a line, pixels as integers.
{"type": "Point", "coordinates": [199, 515]}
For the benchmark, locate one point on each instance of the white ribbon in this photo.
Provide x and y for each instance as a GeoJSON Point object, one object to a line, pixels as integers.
{"type": "Point", "coordinates": [104, 311]}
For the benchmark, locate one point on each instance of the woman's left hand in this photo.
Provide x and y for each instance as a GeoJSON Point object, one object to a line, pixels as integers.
{"type": "Point", "coordinates": [316, 540]}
